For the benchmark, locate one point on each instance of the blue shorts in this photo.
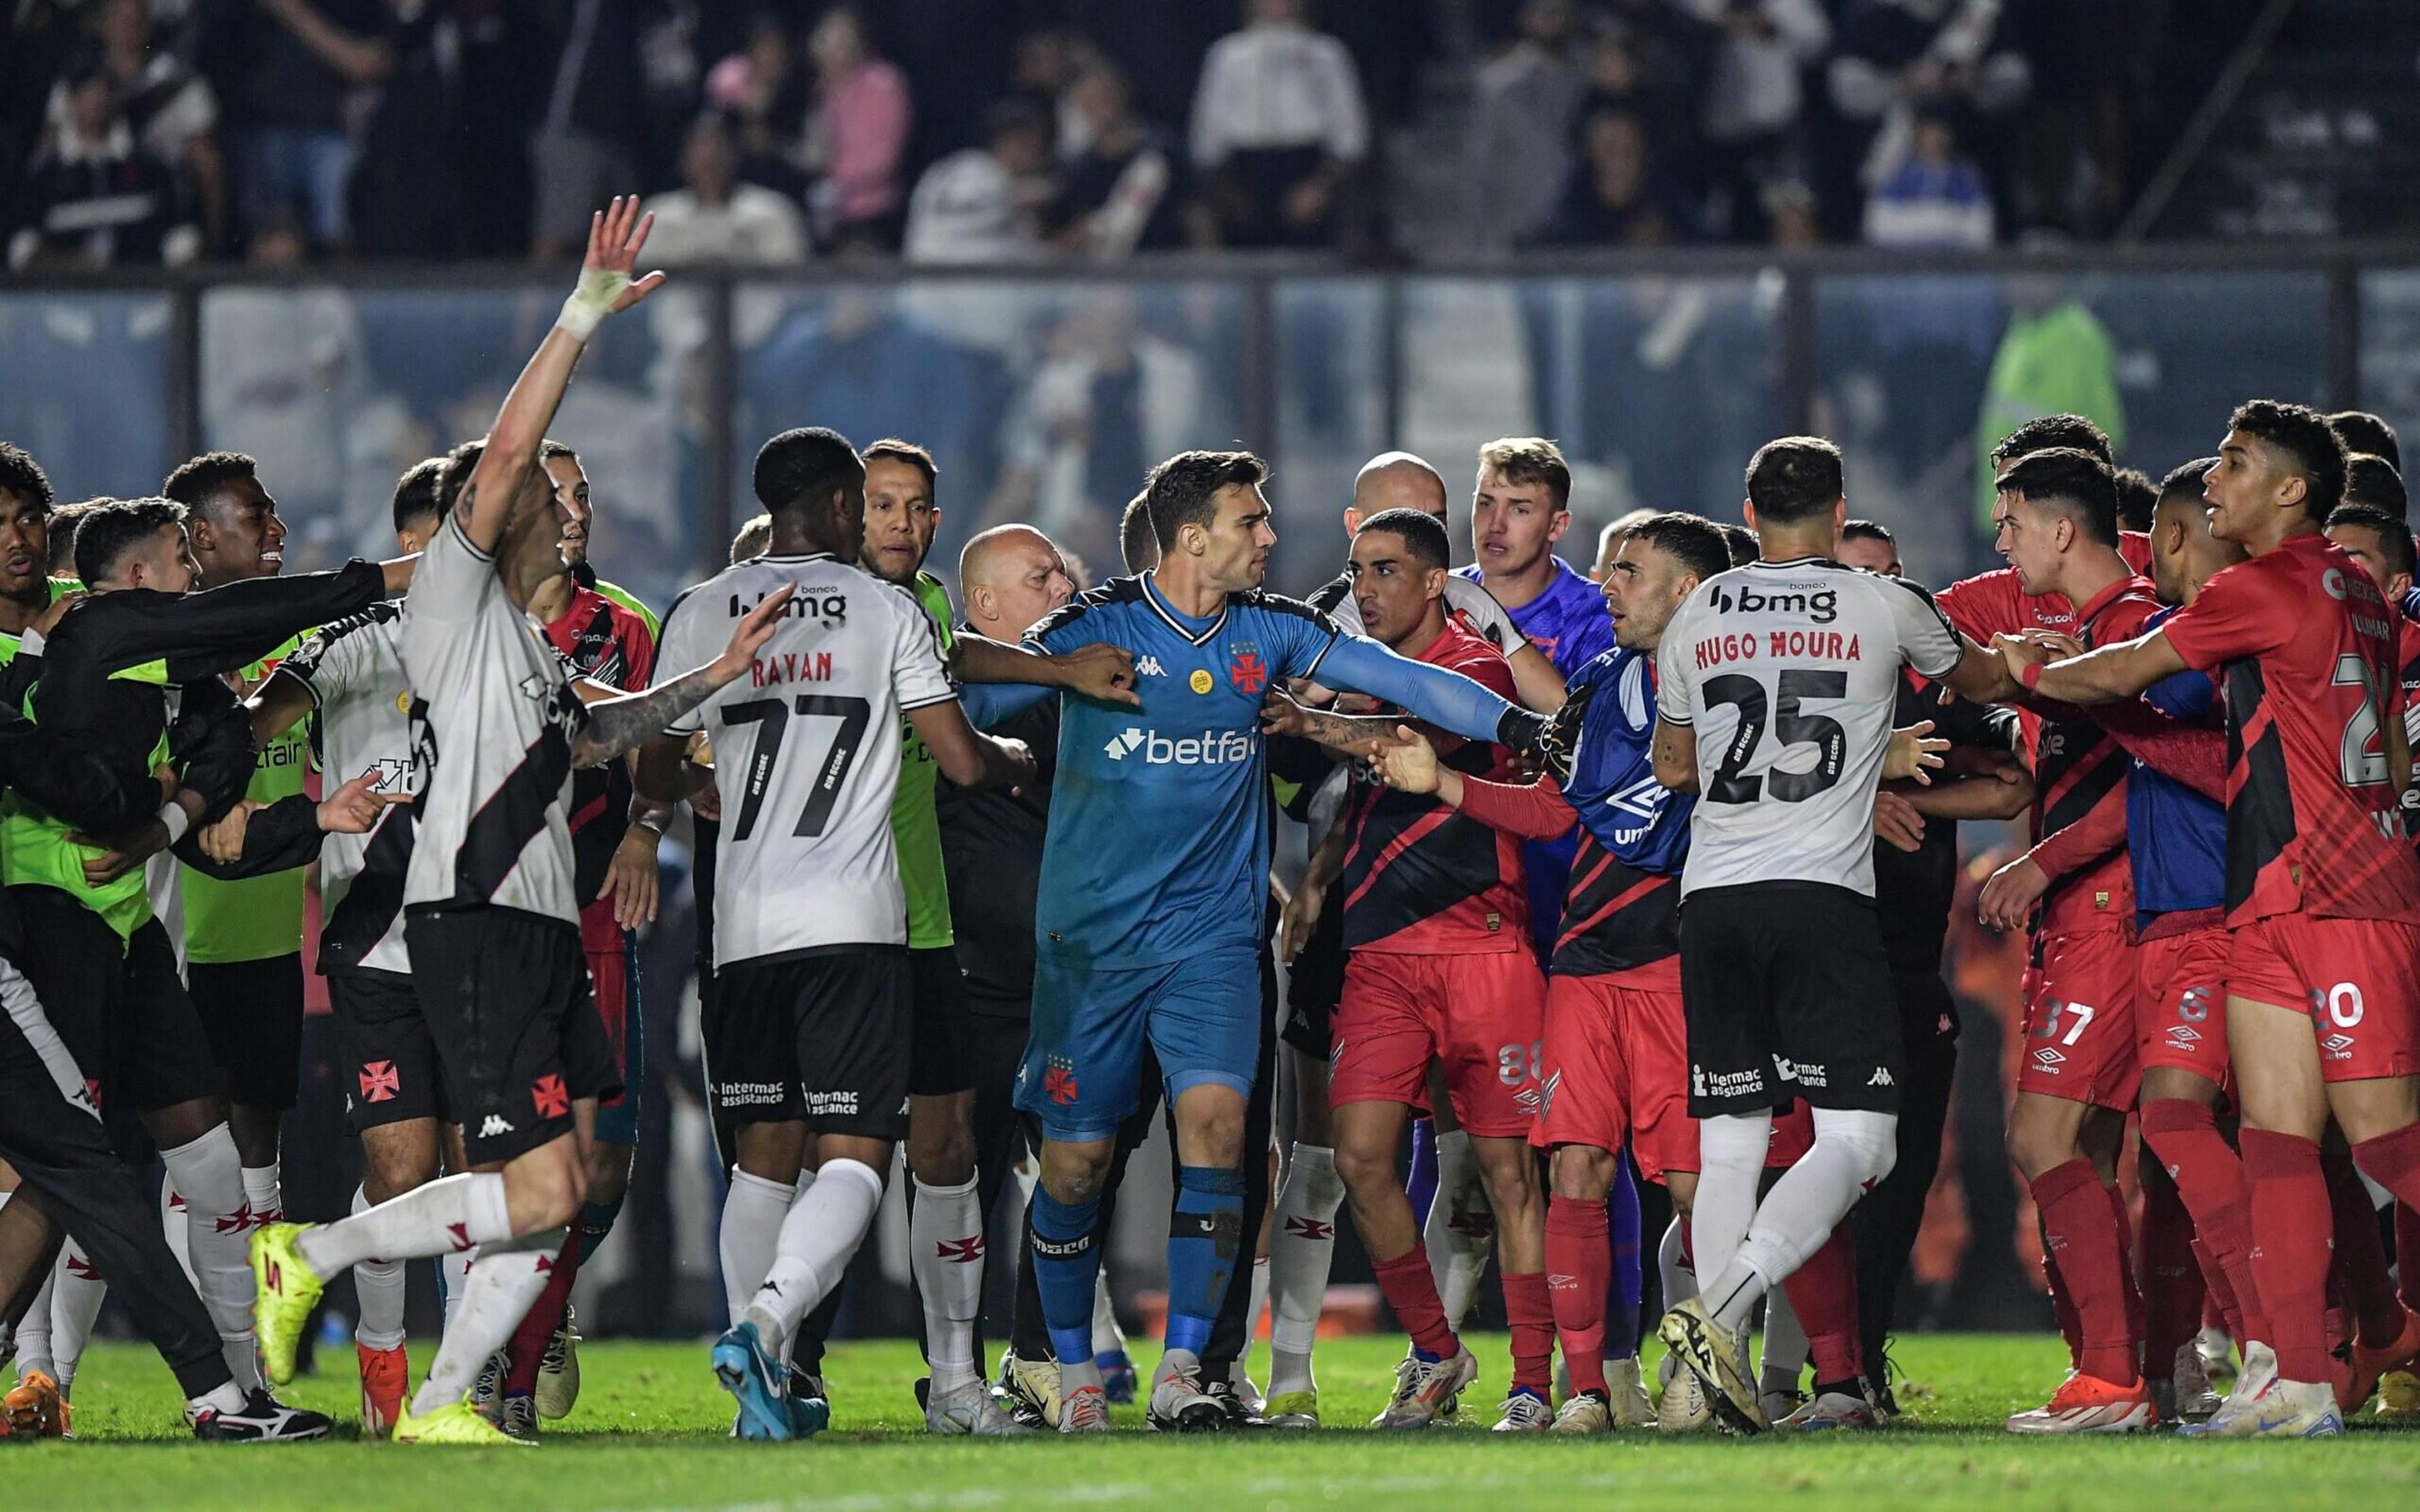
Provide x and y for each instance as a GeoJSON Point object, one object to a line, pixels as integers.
{"type": "Point", "coordinates": [1083, 1061]}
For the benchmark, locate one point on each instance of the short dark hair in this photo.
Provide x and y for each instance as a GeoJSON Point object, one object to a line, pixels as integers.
{"type": "Point", "coordinates": [111, 531]}
{"type": "Point", "coordinates": [2394, 535]}
{"type": "Point", "coordinates": [1138, 547]}
{"type": "Point", "coordinates": [1692, 540]}
{"type": "Point", "coordinates": [1795, 478]}
{"type": "Point", "coordinates": [461, 462]}
{"type": "Point", "coordinates": [1419, 532]}
{"type": "Point", "coordinates": [2302, 434]}
{"type": "Point", "coordinates": [1184, 490]}
{"type": "Point", "coordinates": [2372, 480]}
{"type": "Point", "coordinates": [20, 474]}
{"type": "Point", "coordinates": [416, 493]}
{"type": "Point", "coordinates": [2185, 479]}
{"type": "Point", "coordinates": [64, 521]}
{"type": "Point", "coordinates": [1868, 530]}
{"type": "Point", "coordinates": [2076, 484]}
{"type": "Point", "coordinates": [2362, 431]}
{"type": "Point", "coordinates": [2043, 432]}
{"type": "Point", "coordinates": [198, 480]}
{"type": "Point", "coordinates": [909, 451]}
{"type": "Point", "coordinates": [805, 465]}
{"type": "Point", "coordinates": [2137, 496]}
{"type": "Point", "coordinates": [1742, 542]}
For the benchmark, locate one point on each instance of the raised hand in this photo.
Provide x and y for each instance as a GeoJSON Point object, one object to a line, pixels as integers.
{"type": "Point", "coordinates": [1410, 766]}
{"type": "Point", "coordinates": [616, 233]}
{"type": "Point", "coordinates": [749, 636]}
{"type": "Point", "coordinates": [1913, 754]}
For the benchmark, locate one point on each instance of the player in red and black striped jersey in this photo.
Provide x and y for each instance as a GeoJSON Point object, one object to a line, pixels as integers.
{"type": "Point", "coordinates": [1440, 969]}
{"type": "Point", "coordinates": [2322, 885]}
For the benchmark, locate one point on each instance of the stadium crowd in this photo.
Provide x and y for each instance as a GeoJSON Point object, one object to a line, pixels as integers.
{"type": "Point", "coordinates": [144, 132]}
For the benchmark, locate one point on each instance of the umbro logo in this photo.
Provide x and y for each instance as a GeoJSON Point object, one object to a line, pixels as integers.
{"type": "Point", "coordinates": [2049, 1058]}
{"type": "Point", "coordinates": [494, 1126]}
{"type": "Point", "coordinates": [1149, 667]}
{"type": "Point", "coordinates": [1644, 798]}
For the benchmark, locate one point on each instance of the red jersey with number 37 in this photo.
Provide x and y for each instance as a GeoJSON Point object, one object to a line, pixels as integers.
{"type": "Point", "coordinates": [2306, 648]}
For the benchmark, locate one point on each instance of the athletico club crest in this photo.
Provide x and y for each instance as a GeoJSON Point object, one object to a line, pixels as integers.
{"type": "Point", "coordinates": [1244, 669]}
{"type": "Point", "coordinates": [1059, 1080]}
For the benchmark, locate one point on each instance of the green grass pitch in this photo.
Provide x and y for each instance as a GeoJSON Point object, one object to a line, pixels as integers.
{"type": "Point", "coordinates": [649, 1433]}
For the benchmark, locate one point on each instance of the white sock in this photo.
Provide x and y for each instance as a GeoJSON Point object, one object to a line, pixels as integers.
{"type": "Point", "coordinates": [380, 1286]}
{"type": "Point", "coordinates": [1107, 1337]}
{"type": "Point", "coordinates": [225, 1398]}
{"type": "Point", "coordinates": [454, 1278]}
{"type": "Point", "coordinates": [76, 1295]}
{"type": "Point", "coordinates": [1302, 1249]}
{"type": "Point", "coordinates": [451, 1214]}
{"type": "Point", "coordinates": [1254, 1309]}
{"type": "Point", "coordinates": [1851, 1151]}
{"type": "Point", "coordinates": [173, 1226]}
{"type": "Point", "coordinates": [1458, 1251]}
{"type": "Point", "coordinates": [824, 1227]}
{"type": "Point", "coordinates": [261, 1190]}
{"type": "Point", "coordinates": [34, 1331]}
{"type": "Point", "coordinates": [1028, 1174]}
{"type": "Point", "coordinates": [209, 1173]}
{"type": "Point", "coordinates": [751, 1231]}
{"type": "Point", "coordinates": [1730, 1161]}
{"type": "Point", "coordinates": [1680, 1282]}
{"type": "Point", "coordinates": [1784, 1343]}
{"type": "Point", "coordinates": [504, 1287]}
{"type": "Point", "coordinates": [945, 1239]}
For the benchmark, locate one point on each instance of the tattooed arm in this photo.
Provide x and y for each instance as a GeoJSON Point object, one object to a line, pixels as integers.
{"type": "Point", "coordinates": [1346, 733]}
{"type": "Point", "coordinates": [618, 726]}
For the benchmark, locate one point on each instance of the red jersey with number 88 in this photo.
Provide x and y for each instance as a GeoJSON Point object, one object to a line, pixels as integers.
{"type": "Point", "coordinates": [2304, 647]}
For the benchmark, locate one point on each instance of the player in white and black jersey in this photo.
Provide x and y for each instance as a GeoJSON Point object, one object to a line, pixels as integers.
{"type": "Point", "coordinates": [1776, 682]}
{"type": "Point", "coordinates": [490, 917]}
{"type": "Point", "coordinates": [813, 1020]}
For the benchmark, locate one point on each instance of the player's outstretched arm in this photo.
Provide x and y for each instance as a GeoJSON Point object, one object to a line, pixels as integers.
{"type": "Point", "coordinates": [1443, 697]}
{"type": "Point", "coordinates": [1100, 671]}
{"type": "Point", "coordinates": [1348, 734]}
{"type": "Point", "coordinates": [618, 726]}
{"type": "Point", "coordinates": [605, 288]}
{"type": "Point", "coordinates": [2119, 671]}
{"type": "Point", "coordinates": [276, 706]}
{"type": "Point", "coordinates": [1534, 678]}
{"type": "Point", "coordinates": [967, 756]}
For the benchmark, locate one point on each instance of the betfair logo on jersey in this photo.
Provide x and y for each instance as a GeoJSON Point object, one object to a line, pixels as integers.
{"type": "Point", "coordinates": [1821, 605]}
{"type": "Point", "coordinates": [1212, 747]}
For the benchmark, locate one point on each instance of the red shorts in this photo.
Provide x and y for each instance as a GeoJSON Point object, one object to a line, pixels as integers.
{"type": "Point", "coordinates": [2359, 979]}
{"type": "Point", "coordinates": [2080, 1021]}
{"type": "Point", "coordinates": [609, 972]}
{"type": "Point", "coordinates": [1617, 1068]}
{"type": "Point", "coordinates": [1481, 1017]}
{"type": "Point", "coordinates": [2180, 1001]}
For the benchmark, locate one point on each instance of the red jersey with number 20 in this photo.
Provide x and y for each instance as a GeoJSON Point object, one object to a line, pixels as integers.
{"type": "Point", "coordinates": [2305, 646]}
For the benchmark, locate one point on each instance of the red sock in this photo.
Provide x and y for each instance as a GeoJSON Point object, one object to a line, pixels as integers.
{"type": "Point", "coordinates": [2407, 1253]}
{"type": "Point", "coordinates": [2359, 1263]}
{"type": "Point", "coordinates": [2393, 1160]}
{"type": "Point", "coordinates": [1411, 1291]}
{"type": "Point", "coordinates": [1824, 1294]}
{"type": "Point", "coordinates": [2291, 1225]}
{"type": "Point", "coordinates": [2062, 1306]}
{"type": "Point", "coordinates": [2184, 1137]}
{"type": "Point", "coordinates": [2123, 1229]}
{"type": "Point", "coordinates": [527, 1350]}
{"type": "Point", "coordinates": [1532, 1318]}
{"type": "Point", "coordinates": [2171, 1277]}
{"type": "Point", "coordinates": [1579, 1268]}
{"type": "Point", "coordinates": [2219, 1308]}
{"type": "Point", "coordinates": [2075, 1211]}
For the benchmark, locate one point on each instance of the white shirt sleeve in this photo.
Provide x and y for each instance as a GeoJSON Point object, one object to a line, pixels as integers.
{"type": "Point", "coordinates": [1927, 640]}
{"type": "Point", "coordinates": [677, 654]}
{"type": "Point", "coordinates": [1488, 617]}
{"type": "Point", "coordinates": [1672, 667]}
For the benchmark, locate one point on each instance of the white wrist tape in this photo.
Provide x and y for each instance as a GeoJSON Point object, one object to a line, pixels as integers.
{"type": "Point", "coordinates": [173, 815]}
{"type": "Point", "coordinates": [591, 301]}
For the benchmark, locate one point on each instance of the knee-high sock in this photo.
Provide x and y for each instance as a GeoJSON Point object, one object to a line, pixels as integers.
{"type": "Point", "coordinates": [172, 1228]}
{"type": "Point", "coordinates": [1410, 1289]}
{"type": "Point", "coordinates": [1783, 1362]}
{"type": "Point", "coordinates": [2393, 1160]}
{"type": "Point", "coordinates": [1204, 1235]}
{"type": "Point", "coordinates": [75, 1304]}
{"type": "Point", "coordinates": [2121, 1230]}
{"type": "Point", "coordinates": [1824, 1295]}
{"type": "Point", "coordinates": [597, 1220]}
{"type": "Point", "coordinates": [1730, 1160]}
{"type": "Point", "coordinates": [34, 1329]}
{"type": "Point", "coordinates": [264, 1194]}
{"type": "Point", "coordinates": [1673, 1271]}
{"type": "Point", "coordinates": [503, 1285]}
{"type": "Point", "coordinates": [1460, 1229]}
{"type": "Point", "coordinates": [454, 1277]}
{"type": "Point", "coordinates": [449, 1214]}
{"type": "Point", "coordinates": [1578, 1254]}
{"type": "Point", "coordinates": [2172, 1285]}
{"type": "Point", "coordinates": [526, 1349]}
{"type": "Point", "coordinates": [824, 1225]}
{"type": "Point", "coordinates": [2091, 1267]}
{"type": "Point", "coordinates": [1066, 1261]}
{"type": "Point", "coordinates": [1854, 1150]}
{"type": "Point", "coordinates": [1626, 1281]}
{"type": "Point", "coordinates": [2290, 1221]}
{"type": "Point", "coordinates": [380, 1286]}
{"type": "Point", "coordinates": [2359, 1260]}
{"type": "Point", "coordinates": [2208, 1176]}
{"type": "Point", "coordinates": [2062, 1302]}
{"type": "Point", "coordinates": [749, 1232]}
{"type": "Point", "coordinates": [1421, 1182]}
{"type": "Point", "coordinates": [1107, 1338]}
{"type": "Point", "coordinates": [945, 1239]}
{"type": "Point", "coordinates": [209, 1173]}
{"type": "Point", "coordinates": [1255, 1309]}
{"type": "Point", "coordinates": [1532, 1318]}
{"type": "Point", "coordinates": [1301, 1251]}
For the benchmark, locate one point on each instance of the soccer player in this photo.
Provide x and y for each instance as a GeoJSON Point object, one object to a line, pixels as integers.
{"type": "Point", "coordinates": [2058, 516]}
{"type": "Point", "coordinates": [1158, 944]}
{"type": "Point", "coordinates": [1438, 969]}
{"type": "Point", "coordinates": [492, 924]}
{"type": "Point", "coordinates": [2372, 481]}
{"type": "Point", "coordinates": [1784, 978]}
{"type": "Point", "coordinates": [815, 1028]}
{"type": "Point", "coordinates": [2365, 433]}
{"type": "Point", "coordinates": [2322, 888]}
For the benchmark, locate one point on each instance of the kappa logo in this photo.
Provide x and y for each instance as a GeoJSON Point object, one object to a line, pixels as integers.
{"type": "Point", "coordinates": [380, 1081]}
{"type": "Point", "coordinates": [494, 1125]}
{"type": "Point", "coordinates": [1882, 1077]}
{"type": "Point", "coordinates": [1149, 667]}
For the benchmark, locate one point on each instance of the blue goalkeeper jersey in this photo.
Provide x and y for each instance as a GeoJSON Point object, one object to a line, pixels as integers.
{"type": "Point", "coordinates": [1639, 822]}
{"type": "Point", "coordinates": [2176, 839]}
{"type": "Point", "coordinates": [1160, 817]}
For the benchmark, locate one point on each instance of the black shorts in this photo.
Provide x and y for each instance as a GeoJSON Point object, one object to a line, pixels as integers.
{"type": "Point", "coordinates": [391, 1068]}
{"type": "Point", "coordinates": [1788, 994]}
{"type": "Point", "coordinates": [824, 1037]}
{"type": "Point", "coordinates": [253, 1012]}
{"type": "Point", "coordinates": [1315, 984]}
{"type": "Point", "coordinates": [505, 994]}
{"type": "Point", "coordinates": [941, 1062]}
{"type": "Point", "coordinates": [118, 1006]}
